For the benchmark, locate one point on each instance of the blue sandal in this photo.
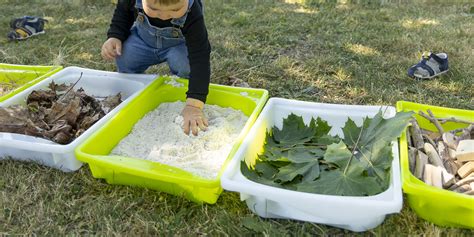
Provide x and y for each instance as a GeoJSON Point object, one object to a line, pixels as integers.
{"type": "Point", "coordinates": [431, 65]}
{"type": "Point", "coordinates": [25, 27]}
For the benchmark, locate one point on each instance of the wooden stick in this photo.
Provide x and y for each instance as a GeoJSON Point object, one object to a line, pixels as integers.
{"type": "Point", "coordinates": [432, 119]}
{"type": "Point", "coordinates": [70, 88]}
{"type": "Point", "coordinates": [454, 120]}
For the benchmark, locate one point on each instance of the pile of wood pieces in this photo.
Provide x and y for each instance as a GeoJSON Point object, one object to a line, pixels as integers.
{"type": "Point", "coordinates": [444, 159]}
{"type": "Point", "coordinates": [59, 114]}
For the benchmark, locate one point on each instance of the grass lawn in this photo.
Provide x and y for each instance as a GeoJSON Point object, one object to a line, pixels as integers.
{"type": "Point", "coordinates": [323, 52]}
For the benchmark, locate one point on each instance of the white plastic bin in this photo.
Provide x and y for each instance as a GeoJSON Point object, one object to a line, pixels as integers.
{"type": "Point", "coordinates": [95, 83]}
{"type": "Point", "coordinates": [352, 213]}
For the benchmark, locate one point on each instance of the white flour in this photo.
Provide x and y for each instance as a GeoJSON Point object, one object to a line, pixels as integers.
{"type": "Point", "coordinates": [159, 137]}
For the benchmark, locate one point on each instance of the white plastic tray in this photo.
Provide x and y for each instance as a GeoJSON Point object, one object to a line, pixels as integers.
{"type": "Point", "coordinates": [95, 83]}
{"type": "Point", "coordinates": [352, 213]}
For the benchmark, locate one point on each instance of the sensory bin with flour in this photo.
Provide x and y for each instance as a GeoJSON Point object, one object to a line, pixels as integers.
{"type": "Point", "coordinates": [159, 137]}
{"type": "Point", "coordinates": [144, 144]}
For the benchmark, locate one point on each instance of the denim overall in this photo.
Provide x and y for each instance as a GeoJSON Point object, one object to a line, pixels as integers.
{"type": "Point", "coordinates": [149, 45]}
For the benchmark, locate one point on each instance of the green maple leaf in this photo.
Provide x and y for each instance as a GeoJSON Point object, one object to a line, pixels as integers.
{"type": "Point", "coordinates": [349, 179]}
{"type": "Point", "coordinates": [327, 139]}
{"type": "Point", "coordinates": [321, 127]}
{"type": "Point", "coordinates": [273, 153]}
{"type": "Point", "coordinates": [338, 154]}
{"type": "Point", "coordinates": [309, 170]}
{"type": "Point", "coordinates": [372, 141]}
{"type": "Point", "coordinates": [254, 176]}
{"type": "Point", "coordinates": [302, 155]}
{"type": "Point", "coordinates": [294, 131]}
{"type": "Point", "coordinates": [376, 129]}
{"type": "Point", "coordinates": [265, 170]}
{"type": "Point", "coordinates": [378, 161]}
{"type": "Point", "coordinates": [336, 182]}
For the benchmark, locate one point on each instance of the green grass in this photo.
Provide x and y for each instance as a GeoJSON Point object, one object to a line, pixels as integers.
{"type": "Point", "coordinates": [325, 52]}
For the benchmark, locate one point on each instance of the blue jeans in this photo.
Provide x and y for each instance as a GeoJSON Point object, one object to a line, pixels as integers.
{"type": "Point", "coordinates": [137, 56]}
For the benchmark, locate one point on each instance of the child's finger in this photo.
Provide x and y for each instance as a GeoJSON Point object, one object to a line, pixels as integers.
{"type": "Point", "coordinates": [106, 49]}
{"type": "Point", "coordinates": [194, 127]}
{"type": "Point", "coordinates": [109, 55]}
{"type": "Point", "coordinates": [202, 126]}
{"type": "Point", "coordinates": [186, 127]}
{"type": "Point", "coordinates": [105, 55]}
{"type": "Point", "coordinates": [118, 49]}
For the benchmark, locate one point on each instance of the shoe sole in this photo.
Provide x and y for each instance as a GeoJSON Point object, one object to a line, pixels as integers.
{"type": "Point", "coordinates": [37, 33]}
{"type": "Point", "coordinates": [431, 76]}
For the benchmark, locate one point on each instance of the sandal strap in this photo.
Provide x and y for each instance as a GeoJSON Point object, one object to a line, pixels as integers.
{"type": "Point", "coordinates": [423, 65]}
{"type": "Point", "coordinates": [436, 58]}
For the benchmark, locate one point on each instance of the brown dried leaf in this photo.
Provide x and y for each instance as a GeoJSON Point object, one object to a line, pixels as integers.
{"type": "Point", "coordinates": [110, 102]}
{"type": "Point", "coordinates": [43, 98]}
{"type": "Point", "coordinates": [58, 87]}
{"type": "Point", "coordinates": [69, 112]}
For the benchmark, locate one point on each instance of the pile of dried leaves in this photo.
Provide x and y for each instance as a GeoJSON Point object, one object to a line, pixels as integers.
{"type": "Point", "coordinates": [6, 87]}
{"type": "Point", "coordinates": [59, 114]}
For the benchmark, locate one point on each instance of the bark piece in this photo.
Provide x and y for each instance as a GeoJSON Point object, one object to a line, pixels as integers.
{"type": "Point", "coordinates": [416, 135]}
{"type": "Point", "coordinates": [464, 133]}
{"type": "Point", "coordinates": [433, 156]}
{"type": "Point", "coordinates": [463, 188]}
{"type": "Point", "coordinates": [452, 153]}
{"type": "Point", "coordinates": [466, 169]}
{"type": "Point", "coordinates": [448, 162]}
{"type": "Point", "coordinates": [462, 182]}
{"type": "Point", "coordinates": [421, 161]}
{"type": "Point", "coordinates": [430, 134]}
{"type": "Point", "coordinates": [412, 158]}
{"type": "Point", "coordinates": [450, 140]}
{"type": "Point", "coordinates": [465, 151]}
{"type": "Point", "coordinates": [427, 174]}
{"type": "Point", "coordinates": [448, 179]}
{"type": "Point", "coordinates": [437, 176]}
{"type": "Point", "coordinates": [470, 192]}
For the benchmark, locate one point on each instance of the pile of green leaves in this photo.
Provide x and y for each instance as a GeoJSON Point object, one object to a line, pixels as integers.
{"type": "Point", "coordinates": [309, 159]}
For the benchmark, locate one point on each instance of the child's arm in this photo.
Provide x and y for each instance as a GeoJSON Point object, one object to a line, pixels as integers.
{"type": "Point", "coordinates": [122, 20]}
{"type": "Point", "coordinates": [199, 51]}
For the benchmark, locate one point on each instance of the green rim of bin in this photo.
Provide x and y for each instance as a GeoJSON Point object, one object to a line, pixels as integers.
{"type": "Point", "coordinates": [144, 173]}
{"type": "Point", "coordinates": [439, 206]}
{"type": "Point", "coordinates": [28, 75]}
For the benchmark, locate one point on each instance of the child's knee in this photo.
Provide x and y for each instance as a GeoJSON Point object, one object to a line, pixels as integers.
{"type": "Point", "coordinates": [183, 71]}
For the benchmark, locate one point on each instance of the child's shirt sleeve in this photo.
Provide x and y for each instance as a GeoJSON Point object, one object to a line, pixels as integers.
{"type": "Point", "coordinates": [122, 20]}
{"type": "Point", "coordinates": [199, 51]}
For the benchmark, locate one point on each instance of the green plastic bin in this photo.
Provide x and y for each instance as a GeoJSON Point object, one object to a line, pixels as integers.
{"type": "Point", "coordinates": [23, 76]}
{"type": "Point", "coordinates": [439, 206]}
{"type": "Point", "coordinates": [132, 171]}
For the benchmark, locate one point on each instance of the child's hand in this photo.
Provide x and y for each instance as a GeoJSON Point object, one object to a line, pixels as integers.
{"type": "Point", "coordinates": [194, 117]}
{"type": "Point", "coordinates": [111, 49]}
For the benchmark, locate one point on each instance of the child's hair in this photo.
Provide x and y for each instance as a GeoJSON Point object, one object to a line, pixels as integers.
{"type": "Point", "coordinates": [164, 2]}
